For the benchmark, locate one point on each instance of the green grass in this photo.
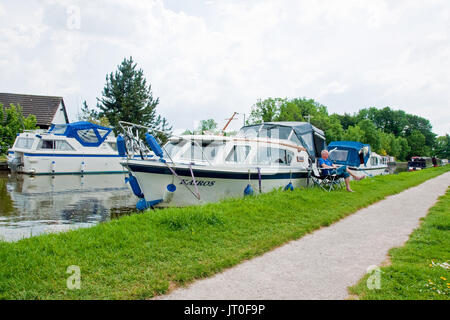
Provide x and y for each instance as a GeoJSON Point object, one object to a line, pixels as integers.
{"type": "Point", "coordinates": [143, 255]}
{"type": "Point", "coordinates": [414, 273]}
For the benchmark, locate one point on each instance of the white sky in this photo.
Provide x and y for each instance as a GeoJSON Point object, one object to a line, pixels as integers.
{"type": "Point", "coordinates": [206, 59]}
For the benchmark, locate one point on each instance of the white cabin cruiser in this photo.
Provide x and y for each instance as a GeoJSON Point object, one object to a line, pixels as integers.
{"type": "Point", "coordinates": [358, 157]}
{"type": "Point", "coordinates": [75, 148]}
{"type": "Point", "coordinates": [195, 169]}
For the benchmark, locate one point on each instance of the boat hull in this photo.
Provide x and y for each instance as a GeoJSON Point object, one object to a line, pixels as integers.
{"type": "Point", "coordinates": [371, 171]}
{"type": "Point", "coordinates": [213, 185]}
{"type": "Point", "coordinates": [53, 163]}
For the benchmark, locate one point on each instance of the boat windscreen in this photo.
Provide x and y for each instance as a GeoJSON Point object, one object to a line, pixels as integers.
{"type": "Point", "coordinates": [203, 150]}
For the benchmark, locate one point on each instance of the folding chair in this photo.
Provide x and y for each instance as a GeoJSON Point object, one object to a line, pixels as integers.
{"type": "Point", "coordinates": [327, 182]}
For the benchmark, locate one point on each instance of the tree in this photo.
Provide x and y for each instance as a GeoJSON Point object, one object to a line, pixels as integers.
{"type": "Point", "coordinates": [127, 97]}
{"type": "Point", "coordinates": [416, 140]}
{"type": "Point", "coordinates": [92, 116]}
{"type": "Point", "coordinates": [13, 122]}
{"type": "Point", "coordinates": [265, 110]}
{"type": "Point", "coordinates": [371, 134]}
{"type": "Point", "coordinates": [442, 149]}
{"type": "Point", "coordinates": [353, 133]}
{"type": "Point", "coordinates": [207, 125]}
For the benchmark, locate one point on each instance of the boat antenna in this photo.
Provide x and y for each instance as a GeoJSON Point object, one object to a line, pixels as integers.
{"type": "Point", "coordinates": [229, 121]}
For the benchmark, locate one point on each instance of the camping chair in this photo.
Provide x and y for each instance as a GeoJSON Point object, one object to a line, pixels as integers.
{"type": "Point", "coordinates": [326, 182]}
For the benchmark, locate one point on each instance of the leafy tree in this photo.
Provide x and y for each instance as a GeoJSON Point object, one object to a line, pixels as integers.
{"type": "Point", "coordinates": [353, 133]}
{"type": "Point", "coordinates": [442, 149]}
{"type": "Point", "coordinates": [371, 134]}
{"type": "Point", "coordinates": [13, 122]}
{"type": "Point", "coordinates": [265, 110]}
{"type": "Point", "coordinates": [92, 116]}
{"type": "Point", "coordinates": [127, 97]}
{"type": "Point", "coordinates": [207, 125]}
{"type": "Point", "coordinates": [416, 140]}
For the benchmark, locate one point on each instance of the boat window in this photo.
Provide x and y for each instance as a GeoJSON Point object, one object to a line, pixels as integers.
{"type": "Point", "coordinates": [339, 155]}
{"type": "Point", "coordinates": [270, 156]}
{"type": "Point", "coordinates": [62, 145]}
{"type": "Point", "coordinates": [307, 137]}
{"type": "Point", "coordinates": [238, 154]}
{"type": "Point", "coordinates": [46, 144]}
{"type": "Point", "coordinates": [203, 151]}
{"type": "Point", "coordinates": [102, 132]}
{"type": "Point", "coordinates": [113, 145]}
{"type": "Point", "coordinates": [249, 132]}
{"type": "Point", "coordinates": [172, 147]}
{"type": "Point", "coordinates": [374, 161]}
{"type": "Point", "coordinates": [59, 129]}
{"type": "Point", "coordinates": [212, 149]}
{"type": "Point", "coordinates": [295, 139]}
{"type": "Point", "coordinates": [88, 135]}
{"type": "Point", "coordinates": [24, 143]}
{"type": "Point", "coordinates": [279, 132]}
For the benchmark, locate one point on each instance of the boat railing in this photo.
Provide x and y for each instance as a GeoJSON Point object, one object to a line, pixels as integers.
{"type": "Point", "coordinates": [131, 131]}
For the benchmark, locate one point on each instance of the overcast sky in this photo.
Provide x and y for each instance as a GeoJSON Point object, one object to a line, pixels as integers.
{"type": "Point", "coordinates": [206, 59]}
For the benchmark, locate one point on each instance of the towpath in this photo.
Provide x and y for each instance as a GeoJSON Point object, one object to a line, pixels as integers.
{"type": "Point", "coordinates": [323, 264]}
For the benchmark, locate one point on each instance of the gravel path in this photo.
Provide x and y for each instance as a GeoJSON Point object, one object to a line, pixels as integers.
{"type": "Point", "coordinates": [323, 264]}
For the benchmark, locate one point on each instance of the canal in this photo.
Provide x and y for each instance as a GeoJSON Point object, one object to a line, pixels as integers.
{"type": "Point", "coordinates": [34, 205]}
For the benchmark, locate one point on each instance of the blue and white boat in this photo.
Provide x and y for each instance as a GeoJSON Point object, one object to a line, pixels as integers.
{"type": "Point", "coordinates": [196, 169]}
{"type": "Point", "coordinates": [75, 148]}
{"type": "Point", "coordinates": [358, 157]}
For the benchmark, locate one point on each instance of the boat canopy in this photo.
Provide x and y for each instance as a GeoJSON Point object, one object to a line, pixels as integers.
{"type": "Point", "coordinates": [302, 133]}
{"type": "Point", "coordinates": [86, 133]}
{"type": "Point", "coordinates": [350, 153]}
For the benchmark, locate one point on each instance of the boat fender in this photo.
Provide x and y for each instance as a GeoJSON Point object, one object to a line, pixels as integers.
{"type": "Point", "coordinates": [170, 191]}
{"type": "Point", "coordinates": [289, 187]}
{"type": "Point", "coordinates": [154, 145]}
{"type": "Point", "coordinates": [248, 190]}
{"type": "Point", "coordinates": [171, 188]}
{"type": "Point", "coordinates": [135, 186]}
{"type": "Point", "coordinates": [121, 148]}
{"type": "Point", "coordinates": [141, 205]}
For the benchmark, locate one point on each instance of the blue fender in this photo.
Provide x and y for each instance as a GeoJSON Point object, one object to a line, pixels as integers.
{"type": "Point", "coordinates": [154, 145]}
{"type": "Point", "coordinates": [121, 148]}
{"type": "Point", "coordinates": [135, 186]}
{"type": "Point", "coordinates": [248, 191]}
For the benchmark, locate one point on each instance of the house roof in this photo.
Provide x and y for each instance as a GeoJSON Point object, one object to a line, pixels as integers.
{"type": "Point", "coordinates": [43, 107]}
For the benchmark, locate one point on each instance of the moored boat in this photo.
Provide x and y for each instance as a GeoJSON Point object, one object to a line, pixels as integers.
{"type": "Point", "coordinates": [195, 169]}
{"type": "Point", "coordinates": [75, 148]}
{"type": "Point", "coordinates": [358, 157]}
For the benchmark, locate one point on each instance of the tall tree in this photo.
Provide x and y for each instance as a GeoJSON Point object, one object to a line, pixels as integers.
{"type": "Point", "coordinates": [91, 115]}
{"type": "Point", "coordinates": [127, 97]}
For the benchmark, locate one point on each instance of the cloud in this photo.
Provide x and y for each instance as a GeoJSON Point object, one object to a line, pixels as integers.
{"type": "Point", "coordinates": [207, 59]}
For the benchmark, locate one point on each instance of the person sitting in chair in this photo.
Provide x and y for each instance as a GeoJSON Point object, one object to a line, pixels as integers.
{"type": "Point", "coordinates": [330, 169]}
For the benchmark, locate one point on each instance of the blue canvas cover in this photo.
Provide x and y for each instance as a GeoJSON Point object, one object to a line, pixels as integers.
{"type": "Point", "coordinates": [86, 133]}
{"type": "Point", "coordinates": [349, 153]}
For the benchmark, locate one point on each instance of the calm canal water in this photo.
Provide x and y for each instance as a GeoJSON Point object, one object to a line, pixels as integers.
{"type": "Point", "coordinates": [33, 205]}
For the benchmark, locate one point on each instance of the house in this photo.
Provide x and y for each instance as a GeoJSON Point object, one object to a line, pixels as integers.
{"type": "Point", "coordinates": [47, 109]}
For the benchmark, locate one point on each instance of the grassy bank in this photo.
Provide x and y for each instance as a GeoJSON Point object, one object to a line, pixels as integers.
{"type": "Point", "coordinates": [417, 270]}
{"type": "Point", "coordinates": [143, 255]}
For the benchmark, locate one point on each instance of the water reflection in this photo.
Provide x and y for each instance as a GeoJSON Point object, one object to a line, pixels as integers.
{"type": "Point", "coordinates": [34, 205]}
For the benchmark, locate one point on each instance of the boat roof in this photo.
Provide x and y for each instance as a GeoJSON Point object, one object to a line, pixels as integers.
{"type": "Point", "coordinates": [311, 137]}
{"type": "Point", "coordinates": [86, 133]}
{"type": "Point", "coordinates": [354, 149]}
